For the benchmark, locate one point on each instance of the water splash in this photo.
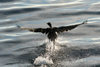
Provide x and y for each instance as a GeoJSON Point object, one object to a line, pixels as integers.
{"type": "Point", "coordinates": [46, 59]}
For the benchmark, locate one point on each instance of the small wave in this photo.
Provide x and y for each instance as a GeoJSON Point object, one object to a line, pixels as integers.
{"type": "Point", "coordinates": [82, 41]}
{"type": "Point", "coordinates": [34, 7]}
{"type": "Point", "coordinates": [5, 20]}
{"type": "Point", "coordinates": [19, 10]}
{"type": "Point", "coordinates": [85, 62]}
{"type": "Point", "coordinates": [3, 40]}
{"type": "Point", "coordinates": [96, 3]}
{"type": "Point", "coordinates": [6, 27]}
{"type": "Point", "coordinates": [9, 29]}
{"type": "Point", "coordinates": [4, 1]}
{"type": "Point", "coordinates": [10, 4]}
{"type": "Point", "coordinates": [94, 19]}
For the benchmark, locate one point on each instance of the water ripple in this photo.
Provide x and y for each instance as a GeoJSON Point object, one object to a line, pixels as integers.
{"type": "Point", "coordinates": [4, 20]}
{"type": "Point", "coordinates": [17, 11]}
{"type": "Point", "coordinates": [79, 40]}
{"type": "Point", "coordinates": [85, 62]}
{"type": "Point", "coordinates": [80, 47]}
{"type": "Point", "coordinates": [38, 6]}
{"type": "Point", "coordinates": [4, 1]}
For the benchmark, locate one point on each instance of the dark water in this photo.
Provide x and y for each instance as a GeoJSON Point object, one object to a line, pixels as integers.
{"type": "Point", "coordinates": [81, 46]}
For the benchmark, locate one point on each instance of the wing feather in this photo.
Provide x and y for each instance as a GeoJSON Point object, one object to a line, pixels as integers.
{"type": "Point", "coordinates": [67, 28]}
{"type": "Point", "coordinates": [42, 30]}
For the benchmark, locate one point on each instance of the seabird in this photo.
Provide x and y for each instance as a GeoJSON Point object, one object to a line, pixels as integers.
{"type": "Point", "coordinates": [52, 32]}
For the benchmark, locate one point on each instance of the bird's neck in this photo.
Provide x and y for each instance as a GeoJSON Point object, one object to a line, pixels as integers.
{"type": "Point", "coordinates": [50, 25]}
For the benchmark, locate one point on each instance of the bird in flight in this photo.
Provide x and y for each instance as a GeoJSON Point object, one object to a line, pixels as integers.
{"type": "Point", "coordinates": [52, 32]}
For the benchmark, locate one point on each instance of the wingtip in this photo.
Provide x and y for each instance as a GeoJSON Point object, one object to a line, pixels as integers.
{"type": "Point", "coordinates": [18, 26]}
{"type": "Point", "coordinates": [85, 22]}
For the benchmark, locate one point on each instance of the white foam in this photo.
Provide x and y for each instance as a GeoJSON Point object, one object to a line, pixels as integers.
{"type": "Point", "coordinates": [43, 61]}
{"type": "Point", "coordinates": [50, 50]}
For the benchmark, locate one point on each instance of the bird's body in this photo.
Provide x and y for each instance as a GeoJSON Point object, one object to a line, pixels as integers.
{"type": "Point", "coordinates": [52, 32]}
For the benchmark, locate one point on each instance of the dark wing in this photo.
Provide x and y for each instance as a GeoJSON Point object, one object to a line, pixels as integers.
{"type": "Point", "coordinates": [42, 30]}
{"type": "Point", "coordinates": [67, 28]}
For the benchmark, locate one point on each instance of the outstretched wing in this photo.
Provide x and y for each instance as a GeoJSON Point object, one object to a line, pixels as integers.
{"type": "Point", "coordinates": [67, 28]}
{"type": "Point", "coordinates": [42, 30]}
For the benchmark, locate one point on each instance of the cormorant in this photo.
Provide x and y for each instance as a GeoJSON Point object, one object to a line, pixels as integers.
{"type": "Point", "coordinates": [52, 32]}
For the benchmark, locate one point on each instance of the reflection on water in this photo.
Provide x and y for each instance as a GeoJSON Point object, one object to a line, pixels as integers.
{"type": "Point", "coordinates": [80, 47]}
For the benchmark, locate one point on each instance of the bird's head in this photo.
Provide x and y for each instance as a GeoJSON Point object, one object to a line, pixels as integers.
{"type": "Point", "coordinates": [49, 24]}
